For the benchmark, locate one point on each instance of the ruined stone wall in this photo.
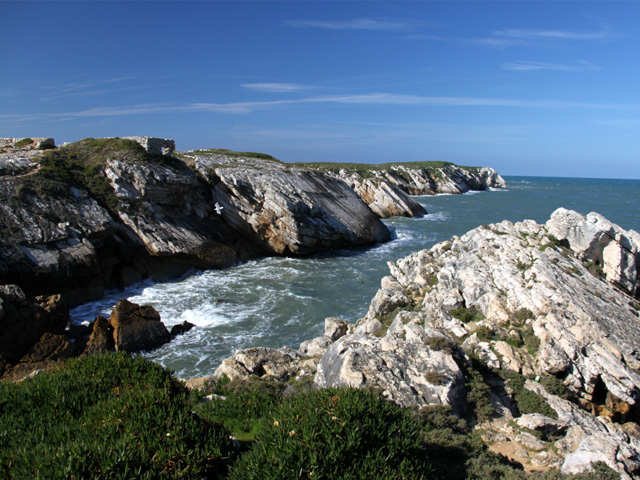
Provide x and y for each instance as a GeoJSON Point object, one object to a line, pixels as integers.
{"type": "Point", "coordinates": [23, 143]}
{"type": "Point", "coordinates": [156, 146]}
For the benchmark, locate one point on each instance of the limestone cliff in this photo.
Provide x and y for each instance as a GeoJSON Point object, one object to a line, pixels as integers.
{"type": "Point", "coordinates": [531, 330]}
{"type": "Point", "coordinates": [387, 188]}
{"type": "Point", "coordinates": [104, 213]}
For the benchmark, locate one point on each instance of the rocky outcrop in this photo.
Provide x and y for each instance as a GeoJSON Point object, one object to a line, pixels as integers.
{"type": "Point", "coordinates": [137, 328]}
{"type": "Point", "coordinates": [530, 330]}
{"type": "Point", "coordinates": [24, 321]}
{"type": "Point", "coordinates": [533, 300]}
{"type": "Point", "coordinates": [288, 211]}
{"type": "Point", "coordinates": [387, 188]}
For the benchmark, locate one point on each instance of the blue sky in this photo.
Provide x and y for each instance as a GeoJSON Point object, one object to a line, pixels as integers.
{"type": "Point", "coordinates": [546, 88]}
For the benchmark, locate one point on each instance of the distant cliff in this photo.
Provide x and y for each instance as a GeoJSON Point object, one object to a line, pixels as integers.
{"type": "Point", "coordinates": [104, 213]}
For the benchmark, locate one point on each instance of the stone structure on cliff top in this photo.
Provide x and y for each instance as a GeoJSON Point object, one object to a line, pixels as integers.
{"type": "Point", "coordinates": [557, 303]}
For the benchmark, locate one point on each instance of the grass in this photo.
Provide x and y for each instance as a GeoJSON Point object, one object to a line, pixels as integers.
{"type": "Point", "coordinates": [366, 170]}
{"type": "Point", "coordinates": [234, 154]}
{"type": "Point", "coordinates": [116, 416]}
{"type": "Point", "coordinates": [25, 142]}
{"type": "Point", "coordinates": [110, 416]}
{"type": "Point", "coordinates": [81, 165]}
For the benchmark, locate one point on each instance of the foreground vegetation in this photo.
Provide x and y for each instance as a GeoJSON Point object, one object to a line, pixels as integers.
{"type": "Point", "coordinates": [116, 416]}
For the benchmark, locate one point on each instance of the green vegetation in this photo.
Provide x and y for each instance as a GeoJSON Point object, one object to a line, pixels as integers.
{"type": "Point", "coordinates": [109, 416]}
{"type": "Point", "coordinates": [526, 400]}
{"type": "Point", "coordinates": [231, 153]}
{"type": "Point", "coordinates": [81, 165]}
{"type": "Point", "coordinates": [466, 315]}
{"type": "Point", "coordinates": [116, 416]}
{"type": "Point", "coordinates": [23, 143]}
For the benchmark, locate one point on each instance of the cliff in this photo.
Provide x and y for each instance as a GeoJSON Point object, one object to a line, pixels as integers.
{"type": "Point", "coordinates": [105, 213]}
{"type": "Point", "coordinates": [387, 188]}
{"type": "Point", "coordinates": [530, 330]}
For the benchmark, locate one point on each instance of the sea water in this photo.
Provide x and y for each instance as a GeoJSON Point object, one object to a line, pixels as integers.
{"type": "Point", "coordinates": [274, 302]}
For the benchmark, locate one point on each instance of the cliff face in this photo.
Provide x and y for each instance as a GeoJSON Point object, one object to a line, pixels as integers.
{"type": "Point", "coordinates": [106, 213]}
{"type": "Point", "coordinates": [387, 188]}
{"type": "Point", "coordinates": [531, 330]}
{"type": "Point", "coordinates": [288, 211]}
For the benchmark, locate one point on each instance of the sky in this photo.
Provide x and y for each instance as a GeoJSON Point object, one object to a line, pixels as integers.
{"type": "Point", "coordinates": [542, 88]}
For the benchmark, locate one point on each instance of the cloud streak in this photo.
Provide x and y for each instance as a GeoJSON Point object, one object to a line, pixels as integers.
{"type": "Point", "coordinates": [276, 87]}
{"type": "Point", "coordinates": [354, 24]}
{"type": "Point", "coordinates": [529, 36]}
{"type": "Point", "coordinates": [520, 65]}
{"type": "Point", "coordinates": [389, 99]}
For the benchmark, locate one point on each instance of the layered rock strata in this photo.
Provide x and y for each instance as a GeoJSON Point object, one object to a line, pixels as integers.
{"type": "Point", "coordinates": [387, 188]}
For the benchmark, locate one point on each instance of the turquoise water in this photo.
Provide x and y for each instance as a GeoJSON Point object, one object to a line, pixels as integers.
{"type": "Point", "coordinates": [276, 302]}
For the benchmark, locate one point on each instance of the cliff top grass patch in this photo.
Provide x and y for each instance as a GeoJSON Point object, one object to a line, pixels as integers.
{"type": "Point", "coordinates": [81, 165]}
{"type": "Point", "coordinates": [234, 154]}
{"type": "Point", "coordinates": [367, 169]}
{"type": "Point", "coordinates": [108, 416]}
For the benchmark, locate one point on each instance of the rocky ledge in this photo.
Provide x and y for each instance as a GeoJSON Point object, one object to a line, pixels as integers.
{"type": "Point", "coordinates": [529, 330]}
{"type": "Point", "coordinates": [106, 213]}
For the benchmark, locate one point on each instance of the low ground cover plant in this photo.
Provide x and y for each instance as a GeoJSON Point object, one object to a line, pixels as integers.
{"type": "Point", "coordinates": [117, 416]}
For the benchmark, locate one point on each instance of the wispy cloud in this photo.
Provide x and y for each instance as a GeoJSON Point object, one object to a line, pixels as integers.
{"type": "Point", "coordinates": [532, 33]}
{"type": "Point", "coordinates": [354, 24]}
{"type": "Point", "coordinates": [81, 89]}
{"type": "Point", "coordinates": [276, 87]}
{"type": "Point", "coordinates": [522, 65]}
{"type": "Point", "coordinates": [530, 36]}
{"type": "Point", "coordinates": [362, 99]}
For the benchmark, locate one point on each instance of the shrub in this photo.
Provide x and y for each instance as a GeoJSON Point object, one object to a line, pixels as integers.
{"type": "Point", "coordinates": [521, 315]}
{"type": "Point", "coordinates": [108, 416]}
{"type": "Point", "coordinates": [466, 315]}
{"type": "Point", "coordinates": [526, 400]}
{"type": "Point", "coordinates": [531, 340]}
{"type": "Point", "coordinates": [336, 433]}
{"type": "Point", "coordinates": [23, 143]}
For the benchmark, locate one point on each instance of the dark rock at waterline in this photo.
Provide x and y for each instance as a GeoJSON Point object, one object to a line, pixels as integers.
{"type": "Point", "coordinates": [101, 339]}
{"type": "Point", "coordinates": [181, 328]}
{"type": "Point", "coordinates": [23, 321]}
{"type": "Point", "coordinates": [137, 327]}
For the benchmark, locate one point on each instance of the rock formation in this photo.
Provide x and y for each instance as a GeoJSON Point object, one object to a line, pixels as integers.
{"type": "Point", "coordinates": [136, 327]}
{"type": "Point", "coordinates": [532, 330]}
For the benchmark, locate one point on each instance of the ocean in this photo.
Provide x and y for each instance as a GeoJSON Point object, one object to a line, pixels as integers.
{"type": "Point", "coordinates": [274, 302]}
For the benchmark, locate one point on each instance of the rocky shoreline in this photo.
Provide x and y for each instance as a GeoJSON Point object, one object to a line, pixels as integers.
{"type": "Point", "coordinates": [106, 213]}
{"type": "Point", "coordinates": [530, 330]}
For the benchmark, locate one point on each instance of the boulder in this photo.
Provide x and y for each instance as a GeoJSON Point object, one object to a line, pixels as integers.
{"type": "Point", "coordinates": [612, 251]}
{"type": "Point", "coordinates": [101, 339]}
{"type": "Point", "coordinates": [409, 372]}
{"type": "Point", "coordinates": [181, 328]}
{"type": "Point", "coordinates": [137, 328]}
{"type": "Point", "coordinates": [278, 364]}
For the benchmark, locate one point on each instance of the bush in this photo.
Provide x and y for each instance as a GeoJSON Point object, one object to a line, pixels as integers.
{"type": "Point", "coordinates": [466, 315]}
{"type": "Point", "coordinates": [109, 416]}
{"type": "Point", "coordinates": [344, 433]}
{"type": "Point", "coordinates": [23, 143]}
